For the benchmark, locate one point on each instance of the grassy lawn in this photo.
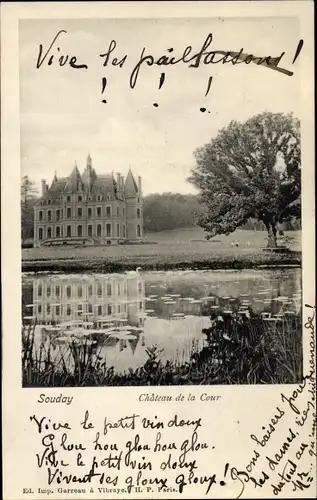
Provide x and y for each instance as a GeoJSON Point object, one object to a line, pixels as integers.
{"type": "Point", "coordinates": [168, 249]}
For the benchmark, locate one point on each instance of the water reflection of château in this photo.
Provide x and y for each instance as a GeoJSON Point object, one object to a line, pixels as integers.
{"type": "Point", "coordinates": [96, 299]}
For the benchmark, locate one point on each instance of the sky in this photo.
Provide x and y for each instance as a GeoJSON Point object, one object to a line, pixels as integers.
{"type": "Point", "coordinates": [63, 118]}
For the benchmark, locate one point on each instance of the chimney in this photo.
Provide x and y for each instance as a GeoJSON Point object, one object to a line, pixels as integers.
{"type": "Point", "coordinates": [139, 185]}
{"type": "Point", "coordinates": [46, 188]}
{"type": "Point", "coordinates": [89, 161]}
{"type": "Point", "coordinates": [43, 187]}
{"type": "Point", "coordinates": [122, 183]}
{"type": "Point", "coordinates": [118, 182]}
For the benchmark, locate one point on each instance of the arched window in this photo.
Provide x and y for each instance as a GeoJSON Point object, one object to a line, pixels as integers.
{"type": "Point", "coordinates": [138, 230]}
{"type": "Point", "coordinates": [109, 197]}
{"type": "Point", "coordinates": [98, 230]}
{"type": "Point", "coordinates": [40, 233]}
{"type": "Point", "coordinates": [138, 213]}
{"type": "Point", "coordinates": [79, 230]}
{"type": "Point", "coordinates": [49, 232]}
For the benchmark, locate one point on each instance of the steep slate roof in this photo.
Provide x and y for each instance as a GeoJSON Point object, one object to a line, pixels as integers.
{"type": "Point", "coordinates": [130, 186]}
{"type": "Point", "coordinates": [74, 182]}
{"type": "Point", "coordinates": [55, 191]}
{"type": "Point", "coordinates": [104, 185]}
{"type": "Point", "coordinates": [91, 183]}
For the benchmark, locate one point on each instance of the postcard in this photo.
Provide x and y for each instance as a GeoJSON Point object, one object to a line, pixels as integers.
{"type": "Point", "coordinates": [158, 260]}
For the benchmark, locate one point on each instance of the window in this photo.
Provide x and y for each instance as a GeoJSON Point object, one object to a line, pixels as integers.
{"type": "Point", "coordinates": [108, 229]}
{"type": "Point", "coordinates": [98, 230]}
{"type": "Point", "coordinates": [39, 290]}
{"type": "Point", "coordinates": [138, 231]}
{"type": "Point", "coordinates": [48, 291]}
{"type": "Point", "coordinates": [48, 308]}
{"type": "Point", "coordinates": [119, 289]}
{"type": "Point", "coordinates": [68, 309]}
{"type": "Point", "coordinates": [138, 200]}
{"type": "Point", "coordinates": [108, 211]}
{"type": "Point", "coordinates": [123, 228]}
{"type": "Point", "coordinates": [68, 292]}
{"type": "Point", "coordinates": [89, 213]}
{"type": "Point", "coordinates": [49, 215]}
{"type": "Point", "coordinates": [68, 199]}
{"type": "Point", "coordinates": [99, 310]}
{"type": "Point", "coordinates": [109, 309]}
{"type": "Point", "coordinates": [90, 290]}
{"type": "Point", "coordinates": [140, 305]}
{"type": "Point", "coordinates": [90, 230]}
{"type": "Point", "coordinates": [119, 308]}
{"type": "Point", "coordinates": [39, 309]}
{"type": "Point", "coordinates": [138, 213]}
{"type": "Point", "coordinates": [57, 291]}
{"type": "Point", "coordinates": [99, 290]}
{"type": "Point", "coordinates": [41, 215]}
{"type": "Point", "coordinates": [140, 286]}
{"type": "Point", "coordinates": [49, 232]}
{"type": "Point", "coordinates": [79, 212]}
{"type": "Point", "coordinates": [57, 310]}
{"type": "Point", "coordinates": [98, 210]}
{"type": "Point", "coordinates": [109, 289]}
{"type": "Point", "coordinates": [109, 197]}
{"type": "Point", "coordinates": [118, 211]}
{"type": "Point", "coordinates": [90, 308]}
{"type": "Point", "coordinates": [40, 233]}
{"type": "Point", "coordinates": [79, 291]}
{"type": "Point", "coordinates": [58, 232]}
{"type": "Point", "coordinates": [79, 231]}
{"type": "Point", "coordinates": [49, 201]}
{"type": "Point", "coordinates": [69, 231]}
{"type": "Point", "coordinates": [68, 213]}
{"type": "Point", "coordinates": [99, 198]}
{"type": "Point", "coordinates": [80, 198]}
{"type": "Point", "coordinates": [118, 230]}
{"type": "Point", "coordinates": [80, 309]}
{"type": "Point", "coordinates": [58, 214]}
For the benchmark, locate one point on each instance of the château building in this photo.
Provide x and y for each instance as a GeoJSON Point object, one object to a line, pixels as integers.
{"type": "Point", "coordinates": [89, 209]}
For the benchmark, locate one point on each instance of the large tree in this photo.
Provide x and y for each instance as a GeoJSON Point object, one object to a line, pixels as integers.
{"type": "Point", "coordinates": [250, 169]}
{"type": "Point", "coordinates": [29, 196]}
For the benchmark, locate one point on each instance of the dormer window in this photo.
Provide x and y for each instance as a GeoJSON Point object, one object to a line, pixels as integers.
{"type": "Point", "coordinates": [80, 198]}
{"type": "Point", "coordinates": [99, 197]}
{"type": "Point", "coordinates": [68, 199]}
{"type": "Point", "coordinates": [90, 198]}
{"type": "Point", "coordinates": [109, 197]}
{"type": "Point", "coordinates": [49, 201]}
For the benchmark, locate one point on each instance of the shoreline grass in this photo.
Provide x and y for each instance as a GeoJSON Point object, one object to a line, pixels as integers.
{"type": "Point", "coordinates": [239, 349]}
{"type": "Point", "coordinates": [75, 262]}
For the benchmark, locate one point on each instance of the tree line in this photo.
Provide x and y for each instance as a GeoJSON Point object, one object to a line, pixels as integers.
{"type": "Point", "coordinates": [161, 212]}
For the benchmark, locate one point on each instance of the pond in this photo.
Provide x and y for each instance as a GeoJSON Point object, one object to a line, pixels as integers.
{"type": "Point", "coordinates": [123, 315]}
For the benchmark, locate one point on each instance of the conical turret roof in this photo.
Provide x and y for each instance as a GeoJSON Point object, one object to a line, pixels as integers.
{"type": "Point", "coordinates": [130, 186]}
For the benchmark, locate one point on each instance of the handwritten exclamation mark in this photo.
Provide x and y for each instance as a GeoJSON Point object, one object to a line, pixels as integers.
{"type": "Point", "coordinates": [223, 483]}
{"type": "Point", "coordinates": [298, 50]}
{"type": "Point", "coordinates": [103, 86]}
{"type": "Point", "coordinates": [162, 80]}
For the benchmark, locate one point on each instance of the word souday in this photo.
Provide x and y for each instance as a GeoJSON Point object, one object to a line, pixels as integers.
{"type": "Point", "coordinates": [55, 399]}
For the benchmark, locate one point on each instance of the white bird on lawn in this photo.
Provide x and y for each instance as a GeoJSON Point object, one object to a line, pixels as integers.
{"type": "Point", "coordinates": [134, 273]}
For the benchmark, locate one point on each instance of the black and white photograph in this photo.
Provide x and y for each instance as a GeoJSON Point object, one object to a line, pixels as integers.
{"type": "Point", "coordinates": [161, 204]}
